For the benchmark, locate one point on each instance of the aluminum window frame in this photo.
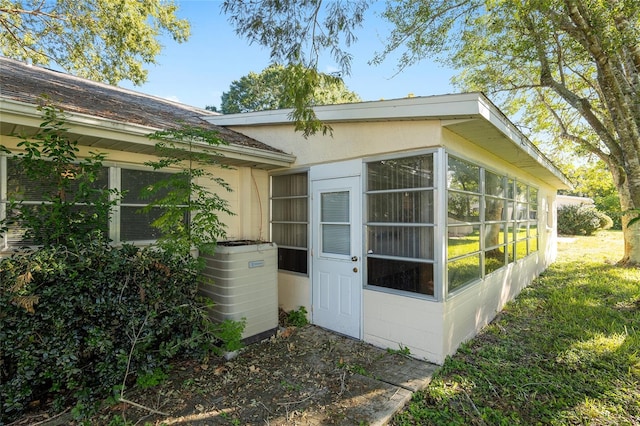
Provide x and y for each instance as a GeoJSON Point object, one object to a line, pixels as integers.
{"type": "Point", "coordinates": [114, 182]}
{"type": "Point", "coordinates": [436, 155]}
{"type": "Point", "coordinates": [306, 223]}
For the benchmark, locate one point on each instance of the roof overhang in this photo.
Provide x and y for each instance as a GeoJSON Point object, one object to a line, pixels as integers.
{"type": "Point", "coordinates": [23, 119]}
{"type": "Point", "coordinates": [471, 115]}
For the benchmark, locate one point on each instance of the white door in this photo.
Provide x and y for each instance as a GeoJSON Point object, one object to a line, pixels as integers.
{"type": "Point", "coordinates": [336, 284]}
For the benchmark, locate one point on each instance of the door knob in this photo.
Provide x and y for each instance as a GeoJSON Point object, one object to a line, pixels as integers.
{"type": "Point", "coordinates": [354, 258]}
{"type": "Point", "coordinates": [355, 269]}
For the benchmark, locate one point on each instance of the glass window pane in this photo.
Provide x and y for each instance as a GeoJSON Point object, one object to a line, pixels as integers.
{"type": "Point", "coordinates": [22, 188]}
{"type": "Point", "coordinates": [290, 185]}
{"type": "Point", "coordinates": [289, 210]}
{"type": "Point", "coordinates": [533, 230]}
{"type": "Point", "coordinates": [401, 275]}
{"type": "Point", "coordinates": [511, 252]}
{"type": "Point", "coordinates": [462, 240]}
{"type": "Point", "coordinates": [400, 173]}
{"type": "Point", "coordinates": [494, 259]}
{"type": "Point", "coordinates": [463, 208]}
{"type": "Point", "coordinates": [292, 260]}
{"type": "Point", "coordinates": [401, 241]}
{"type": "Point", "coordinates": [289, 234]}
{"type": "Point", "coordinates": [521, 192]}
{"type": "Point", "coordinates": [462, 272]}
{"type": "Point", "coordinates": [533, 244]}
{"type": "Point", "coordinates": [521, 249]}
{"type": "Point", "coordinates": [494, 235]}
{"type": "Point", "coordinates": [494, 209]}
{"type": "Point", "coordinates": [511, 189]}
{"type": "Point", "coordinates": [336, 239]}
{"type": "Point", "coordinates": [289, 220]}
{"type": "Point", "coordinates": [511, 232]}
{"type": "Point", "coordinates": [401, 207]}
{"type": "Point", "coordinates": [521, 212]}
{"type": "Point", "coordinates": [335, 207]}
{"type": "Point", "coordinates": [494, 184]}
{"type": "Point", "coordinates": [521, 230]}
{"type": "Point", "coordinates": [136, 225]}
{"type": "Point", "coordinates": [134, 182]}
{"type": "Point", "coordinates": [463, 175]}
{"type": "Point", "coordinates": [533, 196]}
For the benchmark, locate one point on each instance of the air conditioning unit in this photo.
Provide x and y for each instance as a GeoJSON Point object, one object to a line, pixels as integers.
{"type": "Point", "coordinates": [241, 279]}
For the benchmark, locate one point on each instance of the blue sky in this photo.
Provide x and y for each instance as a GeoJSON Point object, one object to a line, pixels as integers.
{"type": "Point", "coordinates": [198, 71]}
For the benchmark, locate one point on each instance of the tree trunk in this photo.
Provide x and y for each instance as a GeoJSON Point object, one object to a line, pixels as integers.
{"type": "Point", "coordinates": [631, 234]}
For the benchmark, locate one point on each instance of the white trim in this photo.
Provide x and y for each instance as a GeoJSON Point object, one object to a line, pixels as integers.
{"type": "Point", "coordinates": [465, 105]}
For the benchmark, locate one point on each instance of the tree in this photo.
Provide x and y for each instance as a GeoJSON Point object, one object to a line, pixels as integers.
{"type": "Point", "coordinates": [102, 40]}
{"type": "Point", "coordinates": [593, 180]}
{"type": "Point", "coordinates": [569, 69]}
{"type": "Point", "coordinates": [267, 90]}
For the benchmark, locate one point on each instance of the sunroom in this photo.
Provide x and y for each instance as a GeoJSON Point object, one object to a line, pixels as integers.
{"type": "Point", "coordinates": [413, 224]}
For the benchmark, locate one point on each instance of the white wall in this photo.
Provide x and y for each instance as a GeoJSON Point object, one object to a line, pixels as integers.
{"type": "Point", "coordinates": [294, 291]}
{"type": "Point", "coordinates": [393, 321]}
{"type": "Point", "coordinates": [430, 329]}
{"type": "Point", "coordinates": [349, 140]}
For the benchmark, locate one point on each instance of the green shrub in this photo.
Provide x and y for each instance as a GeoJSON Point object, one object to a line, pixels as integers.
{"type": "Point", "coordinates": [297, 318]}
{"type": "Point", "coordinates": [581, 220]}
{"type": "Point", "coordinates": [610, 205]}
{"type": "Point", "coordinates": [75, 323]}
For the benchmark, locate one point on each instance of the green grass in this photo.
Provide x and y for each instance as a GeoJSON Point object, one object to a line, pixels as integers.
{"type": "Point", "coordinates": [565, 352]}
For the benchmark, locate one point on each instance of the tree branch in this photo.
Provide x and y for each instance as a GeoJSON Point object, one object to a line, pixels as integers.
{"type": "Point", "coordinates": [582, 105]}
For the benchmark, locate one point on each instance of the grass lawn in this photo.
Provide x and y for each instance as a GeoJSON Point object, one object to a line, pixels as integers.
{"type": "Point", "coordinates": [565, 352]}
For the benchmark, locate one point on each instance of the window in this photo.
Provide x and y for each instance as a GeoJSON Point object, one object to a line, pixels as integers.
{"type": "Point", "coordinates": [495, 221]}
{"type": "Point", "coordinates": [37, 196]}
{"type": "Point", "coordinates": [135, 225]}
{"type": "Point", "coordinates": [127, 223]}
{"type": "Point", "coordinates": [492, 220]}
{"type": "Point", "coordinates": [463, 223]}
{"type": "Point", "coordinates": [290, 220]}
{"type": "Point", "coordinates": [400, 224]}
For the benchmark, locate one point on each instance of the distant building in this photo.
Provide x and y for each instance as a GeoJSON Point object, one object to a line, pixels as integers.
{"type": "Point", "coordinates": [571, 200]}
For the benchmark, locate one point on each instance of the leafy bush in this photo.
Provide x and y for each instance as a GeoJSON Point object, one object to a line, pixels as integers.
{"type": "Point", "coordinates": [297, 318]}
{"type": "Point", "coordinates": [81, 319]}
{"type": "Point", "coordinates": [50, 168]}
{"type": "Point", "coordinates": [80, 323]}
{"type": "Point", "coordinates": [610, 205]}
{"type": "Point", "coordinates": [581, 220]}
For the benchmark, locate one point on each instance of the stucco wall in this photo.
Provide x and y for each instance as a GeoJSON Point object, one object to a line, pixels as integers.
{"type": "Point", "coordinates": [349, 140]}
{"type": "Point", "coordinates": [294, 290]}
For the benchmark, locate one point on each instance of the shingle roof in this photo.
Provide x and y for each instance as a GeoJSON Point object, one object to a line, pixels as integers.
{"type": "Point", "coordinates": [25, 83]}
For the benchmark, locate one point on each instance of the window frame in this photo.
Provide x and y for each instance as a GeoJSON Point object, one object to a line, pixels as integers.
{"type": "Point", "coordinates": [306, 223]}
{"type": "Point", "coordinates": [436, 155]}
{"type": "Point", "coordinates": [515, 204]}
{"type": "Point", "coordinates": [114, 182]}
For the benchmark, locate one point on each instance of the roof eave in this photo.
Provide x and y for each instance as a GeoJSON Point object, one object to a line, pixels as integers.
{"type": "Point", "coordinates": [20, 118]}
{"type": "Point", "coordinates": [455, 111]}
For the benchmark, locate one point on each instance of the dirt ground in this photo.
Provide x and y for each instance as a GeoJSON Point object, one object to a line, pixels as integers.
{"type": "Point", "coordinates": [299, 376]}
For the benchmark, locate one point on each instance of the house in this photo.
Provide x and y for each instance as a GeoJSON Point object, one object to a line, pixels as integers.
{"type": "Point", "coordinates": [410, 227]}
{"type": "Point", "coordinates": [572, 200]}
{"type": "Point", "coordinates": [117, 122]}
